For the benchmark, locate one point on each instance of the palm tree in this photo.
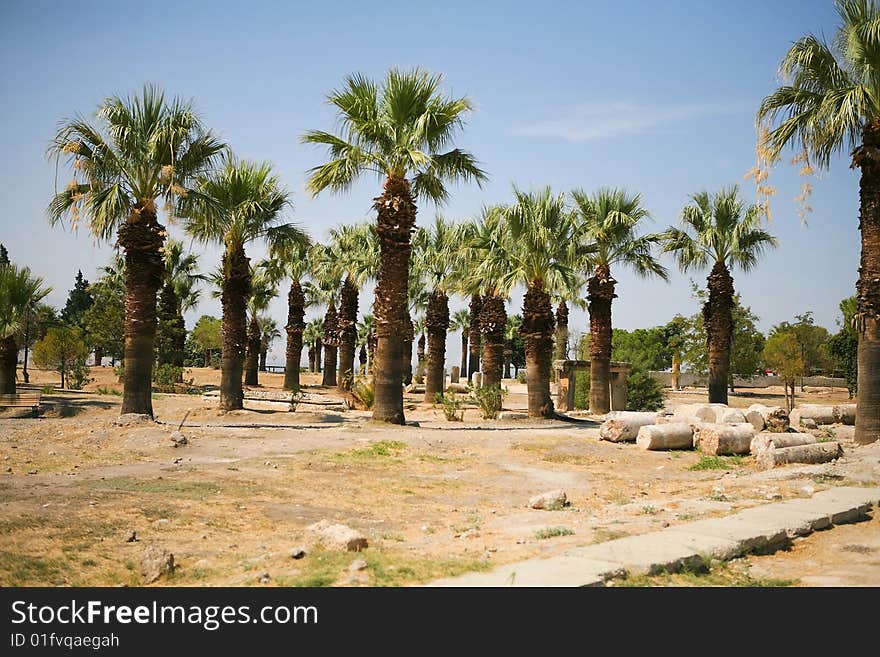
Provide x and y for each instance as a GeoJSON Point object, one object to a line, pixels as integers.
{"type": "Point", "coordinates": [354, 259]}
{"type": "Point", "coordinates": [437, 248]}
{"type": "Point", "coordinates": [179, 294]}
{"type": "Point", "coordinates": [268, 334]}
{"type": "Point", "coordinates": [418, 304]}
{"type": "Point", "coordinates": [483, 236]}
{"type": "Point", "coordinates": [240, 203]}
{"type": "Point", "coordinates": [474, 309]}
{"type": "Point", "coordinates": [718, 229]}
{"type": "Point", "coordinates": [144, 148]}
{"type": "Point", "coordinates": [420, 329]}
{"type": "Point", "coordinates": [19, 293]}
{"type": "Point", "coordinates": [511, 330]}
{"type": "Point", "coordinates": [312, 337]}
{"type": "Point", "coordinates": [397, 129]}
{"type": "Point", "coordinates": [461, 321]}
{"type": "Point", "coordinates": [537, 249]}
{"type": "Point", "coordinates": [290, 260]}
{"type": "Point", "coordinates": [828, 102]}
{"type": "Point", "coordinates": [262, 292]}
{"type": "Point", "coordinates": [324, 293]}
{"type": "Point", "coordinates": [367, 337]}
{"type": "Point", "coordinates": [607, 222]}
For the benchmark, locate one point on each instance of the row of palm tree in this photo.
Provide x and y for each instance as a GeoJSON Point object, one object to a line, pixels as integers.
{"type": "Point", "coordinates": [403, 130]}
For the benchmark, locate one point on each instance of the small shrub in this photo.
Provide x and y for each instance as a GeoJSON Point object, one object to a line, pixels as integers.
{"type": "Point", "coordinates": [167, 376]}
{"type": "Point", "coordinates": [119, 371]}
{"type": "Point", "coordinates": [452, 405]}
{"type": "Point", "coordinates": [366, 392]}
{"type": "Point", "coordinates": [489, 400]}
{"type": "Point", "coordinates": [717, 463]}
{"type": "Point", "coordinates": [643, 393]}
{"type": "Point", "coordinates": [552, 532]}
{"type": "Point", "coordinates": [521, 376]}
{"type": "Point", "coordinates": [79, 375]}
{"type": "Point", "coordinates": [104, 390]}
{"type": "Point", "coordinates": [48, 390]}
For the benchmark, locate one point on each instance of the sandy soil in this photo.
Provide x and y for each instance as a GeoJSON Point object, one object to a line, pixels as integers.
{"type": "Point", "coordinates": [435, 499]}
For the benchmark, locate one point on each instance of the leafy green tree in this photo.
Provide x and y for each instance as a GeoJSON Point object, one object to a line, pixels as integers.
{"type": "Point", "coordinates": [142, 148]}
{"type": "Point", "coordinates": [784, 354]}
{"type": "Point", "coordinates": [843, 345]}
{"type": "Point", "coordinates": [4, 256]}
{"type": "Point", "coordinates": [646, 349]}
{"type": "Point", "coordinates": [208, 335]}
{"type": "Point", "coordinates": [643, 392]}
{"type": "Point", "coordinates": [179, 294]}
{"type": "Point", "coordinates": [399, 129]}
{"type": "Point", "coordinates": [64, 351]}
{"type": "Point", "coordinates": [79, 300]}
{"type": "Point", "coordinates": [105, 318]}
{"type": "Point", "coordinates": [38, 318]}
{"type": "Point", "coordinates": [813, 341]}
{"type": "Point", "coordinates": [829, 103]}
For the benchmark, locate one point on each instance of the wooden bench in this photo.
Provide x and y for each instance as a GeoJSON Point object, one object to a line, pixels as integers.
{"type": "Point", "coordinates": [22, 400]}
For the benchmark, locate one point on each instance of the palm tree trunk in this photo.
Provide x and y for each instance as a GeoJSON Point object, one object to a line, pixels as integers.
{"type": "Point", "coordinates": [396, 217]}
{"type": "Point", "coordinates": [27, 338]}
{"type": "Point", "coordinates": [600, 293]}
{"type": "Point", "coordinates": [537, 331]}
{"type": "Point", "coordinates": [868, 295]}
{"type": "Point", "coordinates": [318, 354]}
{"type": "Point", "coordinates": [141, 237]}
{"type": "Point", "coordinates": [493, 321]}
{"type": "Point", "coordinates": [362, 359]}
{"type": "Point", "coordinates": [331, 343]}
{"type": "Point", "coordinates": [476, 307]}
{"type": "Point", "coordinates": [372, 342]}
{"type": "Point", "coordinates": [264, 354]}
{"type": "Point", "coordinates": [464, 352]}
{"type": "Point", "coordinates": [561, 346]}
{"type": "Point", "coordinates": [252, 356]}
{"type": "Point", "coordinates": [179, 344]}
{"type": "Point", "coordinates": [347, 333]}
{"type": "Point", "coordinates": [508, 356]}
{"type": "Point", "coordinates": [236, 292]}
{"type": "Point", "coordinates": [8, 362]}
{"type": "Point", "coordinates": [406, 367]}
{"type": "Point", "coordinates": [420, 359]}
{"type": "Point", "coordinates": [311, 358]}
{"type": "Point", "coordinates": [436, 323]}
{"type": "Point", "coordinates": [99, 356]}
{"type": "Point", "coordinates": [719, 330]}
{"type": "Point", "coordinates": [295, 326]}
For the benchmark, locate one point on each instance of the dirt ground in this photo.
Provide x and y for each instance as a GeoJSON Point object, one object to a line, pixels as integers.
{"type": "Point", "coordinates": [437, 499]}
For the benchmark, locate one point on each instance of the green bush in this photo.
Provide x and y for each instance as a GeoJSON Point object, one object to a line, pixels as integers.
{"type": "Point", "coordinates": [521, 376]}
{"type": "Point", "coordinates": [365, 391]}
{"type": "Point", "coordinates": [78, 375]}
{"type": "Point", "coordinates": [167, 376]}
{"type": "Point", "coordinates": [643, 393]}
{"type": "Point", "coordinates": [489, 400]}
{"type": "Point", "coordinates": [119, 371]}
{"type": "Point", "coordinates": [452, 405]}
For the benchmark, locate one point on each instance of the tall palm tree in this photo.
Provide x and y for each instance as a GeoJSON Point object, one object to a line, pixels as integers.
{"type": "Point", "coordinates": [829, 101]}
{"type": "Point", "coordinates": [483, 236]}
{"type": "Point", "coordinates": [324, 292]}
{"type": "Point", "coordinates": [354, 259]}
{"type": "Point", "coordinates": [179, 294]}
{"type": "Point", "coordinates": [607, 222]}
{"type": "Point", "coordinates": [398, 129]}
{"type": "Point", "coordinates": [19, 293]}
{"type": "Point", "coordinates": [438, 251]}
{"type": "Point", "coordinates": [240, 203]}
{"type": "Point", "coordinates": [290, 260]}
{"type": "Point", "coordinates": [511, 330]}
{"type": "Point", "coordinates": [367, 335]}
{"type": "Point", "coordinates": [718, 229]}
{"type": "Point", "coordinates": [312, 337]}
{"type": "Point", "coordinates": [143, 149]}
{"type": "Point", "coordinates": [461, 321]}
{"type": "Point", "coordinates": [263, 291]}
{"type": "Point", "coordinates": [419, 328]}
{"type": "Point", "coordinates": [538, 250]}
{"type": "Point", "coordinates": [268, 334]}
{"type": "Point", "coordinates": [418, 304]}
{"type": "Point", "coordinates": [474, 309]}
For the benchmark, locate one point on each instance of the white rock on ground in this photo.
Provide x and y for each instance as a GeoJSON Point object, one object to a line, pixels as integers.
{"type": "Point", "coordinates": [338, 536]}
{"type": "Point", "coordinates": [554, 499]}
{"type": "Point", "coordinates": [156, 563]}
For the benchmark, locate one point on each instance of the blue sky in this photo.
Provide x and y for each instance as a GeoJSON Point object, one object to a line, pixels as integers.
{"type": "Point", "coordinates": [658, 97]}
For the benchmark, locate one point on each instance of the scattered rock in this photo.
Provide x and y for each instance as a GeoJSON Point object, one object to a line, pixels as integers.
{"type": "Point", "coordinates": [358, 564]}
{"type": "Point", "coordinates": [265, 578]}
{"type": "Point", "coordinates": [551, 500]}
{"type": "Point", "coordinates": [808, 423]}
{"type": "Point", "coordinates": [178, 460]}
{"type": "Point", "coordinates": [298, 552]}
{"type": "Point", "coordinates": [338, 537]}
{"type": "Point", "coordinates": [511, 415]}
{"type": "Point", "coordinates": [178, 439]}
{"type": "Point", "coordinates": [156, 563]}
{"type": "Point", "coordinates": [807, 490]}
{"type": "Point", "coordinates": [131, 537]}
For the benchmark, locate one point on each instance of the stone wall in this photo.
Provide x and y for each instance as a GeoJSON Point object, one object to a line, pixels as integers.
{"type": "Point", "coordinates": [687, 380]}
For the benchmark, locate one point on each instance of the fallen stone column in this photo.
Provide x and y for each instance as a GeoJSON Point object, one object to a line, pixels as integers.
{"type": "Point", "coordinates": [722, 439]}
{"type": "Point", "coordinates": [679, 435]}
{"type": "Point", "coordinates": [815, 453]}
{"type": "Point", "coordinates": [625, 425]}
{"type": "Point", "coordinates": [819, 414]}
{"type": "Point", "coordinates": [774, 418]}
{"type": "Point", "coordinates": [764, 441]}
{"type": "Point", "coordinates": [845, 413]}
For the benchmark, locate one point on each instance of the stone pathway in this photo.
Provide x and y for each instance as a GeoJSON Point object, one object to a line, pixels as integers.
{"type": "Point", "coordinates": [764, 529]}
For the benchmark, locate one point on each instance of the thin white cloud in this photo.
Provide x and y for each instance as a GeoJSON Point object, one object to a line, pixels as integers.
{"type": "Point", "coordinates": [591, 121]}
